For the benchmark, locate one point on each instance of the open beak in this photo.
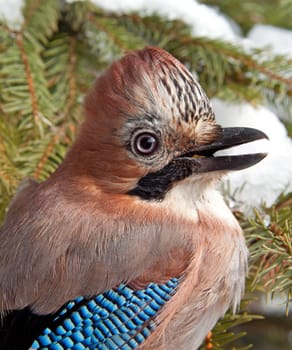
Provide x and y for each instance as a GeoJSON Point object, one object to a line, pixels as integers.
{"type": "Point", "coordinates": [204, 157]}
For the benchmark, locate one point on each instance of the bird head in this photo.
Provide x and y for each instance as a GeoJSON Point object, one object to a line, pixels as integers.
{"type": "Point", "coordinates": [149, 125]}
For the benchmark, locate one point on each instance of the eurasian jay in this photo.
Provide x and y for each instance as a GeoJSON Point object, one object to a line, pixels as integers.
{"type": "Point", "coordinates": [128, 244]}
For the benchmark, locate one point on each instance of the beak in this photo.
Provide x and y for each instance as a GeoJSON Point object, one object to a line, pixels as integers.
{"type": "Point", "coordinates": [204, 158]}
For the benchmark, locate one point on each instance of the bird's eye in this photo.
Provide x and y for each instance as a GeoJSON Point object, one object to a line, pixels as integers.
{"type": "Point", "coordinates": [145, 144]}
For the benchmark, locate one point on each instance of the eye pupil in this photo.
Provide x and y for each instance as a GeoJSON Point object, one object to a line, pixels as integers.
{"type": "Point", "coordinates": [146, 144]}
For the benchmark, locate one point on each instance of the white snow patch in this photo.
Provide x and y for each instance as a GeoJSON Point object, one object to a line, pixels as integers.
{"type": "Point", "coordinates": [205, 21]}
{"type": "Point", "coordinates": [265, 181]}
{"type": "Point", "coordinates": [277, 39]}
{"type": "Point", "coordinates": [10, 10]}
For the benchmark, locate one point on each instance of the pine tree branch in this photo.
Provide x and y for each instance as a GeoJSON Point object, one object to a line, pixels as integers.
{"type": "Point", "coordinates": [45, 156]}
{"type": "Point", "coordinates": [270, 242]}
{"type": "Point", "coordinates": [60, 137]}
{"type": "Point", "coordinates": [248, 13]}
{"type": "Point", "coordinates": [22, 76]}
{"type": "Point", "coordinates": [109, 32]}
{"type": "Point", "coordinates": [41, 18]}
{"type": "Point", "coordinates": [72, 78]}
{"type": "Point", "coordinates": [29, 11]}
{"type": "Point", "coordinates": [248, 61]}
{"type": "Point", "coordinates": [31, 87]}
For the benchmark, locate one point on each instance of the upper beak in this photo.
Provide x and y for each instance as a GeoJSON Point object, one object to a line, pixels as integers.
{"type": "Point", "coordinates": [228, 137]}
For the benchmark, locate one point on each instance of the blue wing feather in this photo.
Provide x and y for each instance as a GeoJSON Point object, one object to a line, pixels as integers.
{"type": "Point", "coordinates": [117, 319]}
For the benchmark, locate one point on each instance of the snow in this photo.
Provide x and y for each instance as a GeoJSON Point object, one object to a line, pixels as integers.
{"type": "Point", "coordinates": [205, 21]}
{"type": "Point", "coordinates": [277, 39]}
{"type": "Point", "coordinates": [10, 10]}
{"type": "Point", "coordinates": [266, 180]}
{"type": "Point", "coordinates": [271, 305]}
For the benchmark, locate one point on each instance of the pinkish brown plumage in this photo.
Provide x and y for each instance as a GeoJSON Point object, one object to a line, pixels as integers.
{"type": "Point", "coordinates": [130, 203]}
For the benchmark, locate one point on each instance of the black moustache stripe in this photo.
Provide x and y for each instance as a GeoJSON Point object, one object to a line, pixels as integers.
{"type": "Point", "coordinates": [154, 186]}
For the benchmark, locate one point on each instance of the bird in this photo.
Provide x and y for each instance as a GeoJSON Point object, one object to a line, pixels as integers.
{"type": "Point", "coordinates": [128, 244]}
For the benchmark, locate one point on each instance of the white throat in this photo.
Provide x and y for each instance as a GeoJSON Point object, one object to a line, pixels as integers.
{"type": "Point", "coordinates": [193, 195]}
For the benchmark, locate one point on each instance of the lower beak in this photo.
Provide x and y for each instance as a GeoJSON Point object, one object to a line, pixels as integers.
{"type": "Point", "coordinates": [204, 158]}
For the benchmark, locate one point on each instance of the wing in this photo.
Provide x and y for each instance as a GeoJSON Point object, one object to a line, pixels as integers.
{"type": "Point", "coordinates": [117, 319]}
